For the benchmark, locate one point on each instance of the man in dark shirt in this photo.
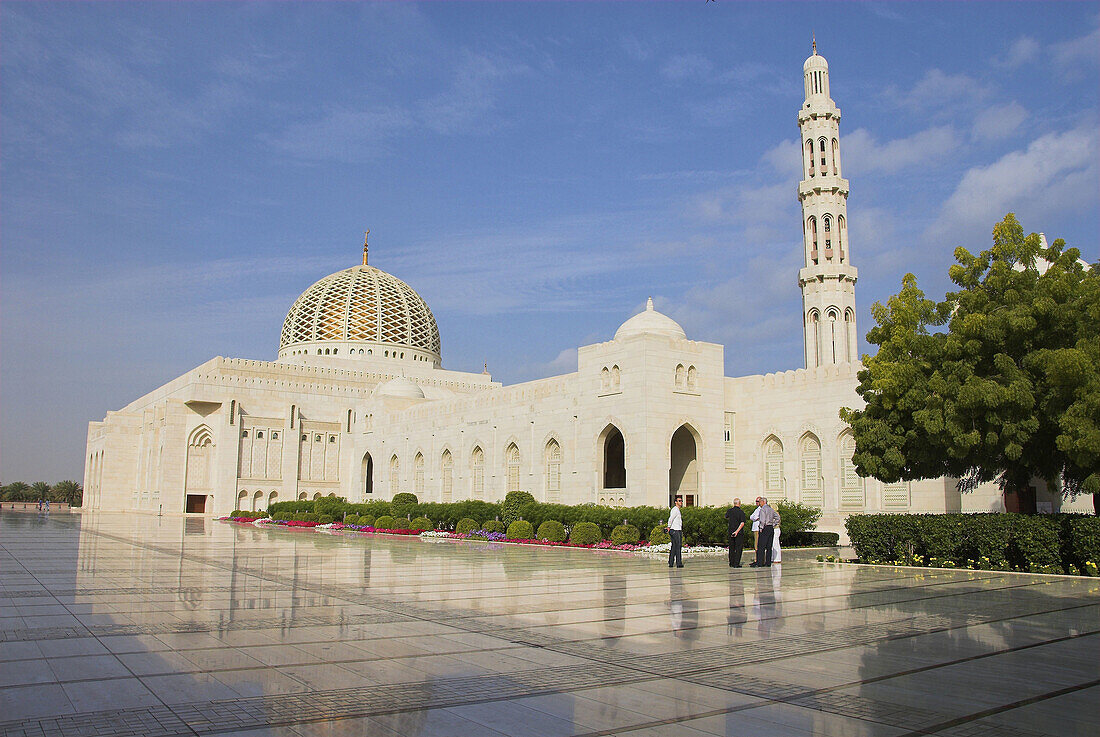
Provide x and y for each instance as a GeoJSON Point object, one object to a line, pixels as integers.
{"type": "Point", "coordinates": [735, 519]}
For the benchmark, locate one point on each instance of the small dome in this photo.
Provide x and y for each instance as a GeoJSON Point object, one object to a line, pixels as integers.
{"type": "Point", "coordinates": [815, 61]}
{"type": "Point", "coordinates": [399, 386]}
{"type": "Point", "coordinates": [650, 322]}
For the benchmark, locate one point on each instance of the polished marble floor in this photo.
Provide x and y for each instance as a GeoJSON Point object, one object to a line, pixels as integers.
{"type": "Point", "coordinates": [154, 626]}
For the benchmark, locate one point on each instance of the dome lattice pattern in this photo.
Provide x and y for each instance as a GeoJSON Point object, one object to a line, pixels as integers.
{"type": "Point", "coordinates": [361, 304]}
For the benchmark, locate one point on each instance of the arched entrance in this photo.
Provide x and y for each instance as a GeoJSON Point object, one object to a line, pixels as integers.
{"type": "Point", "coordinates": [613, 474]}
{"type": "Point", "coordinates": [683, 472]}
{"type": "Point", "coordinates": [368, 474]}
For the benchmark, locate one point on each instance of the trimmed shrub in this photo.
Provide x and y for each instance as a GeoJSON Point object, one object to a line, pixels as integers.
{"type": "Point", "coordinates": [585, 533]}
{"type": "Point", "coordinates": [421, 524]}
{"type": "Point", "coordinates": [325, 519]}
{"type": "Point", "coordinates": [513, 501]}
{"type": "Point", "coordinates": [403, 504]}
{"type": "Point", "coordinates": [493, 525]}
{"type": "Point", "coordinates": [466, 526]}
{"type": "Point", "coordinates": [366, 520]}
{"type": "Point", "coordinates": [247, 515]}
{"type": "Point", "coordinates": [351, 519]}
{"type": "Point", "coordinates": [385, 522]}
{"type": "Point", "coordinates": [658, 536]}
{"type": "Point", "coordinates": [811, 540]}
{"type": "Point", "coordinates": [1081, 536]}
{"type": "Point", "coordinates": [448, 515]}
{"type": "Point", "coordinates": [520, 530]}
{"type": "Point", "coordinates": [1033, 543]}
{"type": "Point", "coordinates": [625, 535]}
{"type": "Point", "coordinates": [551, 530]}
{"type": "Point", "coordinates": [401, 523]}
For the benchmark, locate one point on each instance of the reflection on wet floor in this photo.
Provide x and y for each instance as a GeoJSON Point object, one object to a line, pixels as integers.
{"type": "Point", "coordinates": [144, 625]}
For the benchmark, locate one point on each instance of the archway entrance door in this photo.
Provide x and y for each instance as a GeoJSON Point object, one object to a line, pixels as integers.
{"type": "Point", "coordinates": [368, 474]}
{"type": "Point", "coordinates": [683, 473]}
{"type": "Point", "coordinates": [614, 459]}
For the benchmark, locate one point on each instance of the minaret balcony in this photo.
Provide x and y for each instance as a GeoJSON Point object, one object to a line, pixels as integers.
{"type": "Point", "coordinates": [815, 110]}
{"type": "Point", "coordinates": [827, 271]}
{"type": "Point", "coordinates": [818, 184]}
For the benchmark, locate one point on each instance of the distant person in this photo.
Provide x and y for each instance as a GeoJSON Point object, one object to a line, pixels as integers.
{"type": "Point", "coordinates": [675, 528]}
{"type": "Point", "coordinates": [769, 519]}
{"type": "Point", "coordinates": [735, 520]}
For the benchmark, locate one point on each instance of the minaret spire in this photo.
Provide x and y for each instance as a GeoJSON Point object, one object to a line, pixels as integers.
{"type": "Point", "coordinates": [813, 35]}
{"type": "Point", "coordinates": [365, 235]}
{"type": "Point", "coordinates": [827, 278]}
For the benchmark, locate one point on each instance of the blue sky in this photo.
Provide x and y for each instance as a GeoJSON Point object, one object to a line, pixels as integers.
{"type": "Point", "coordinates": [175, 174]}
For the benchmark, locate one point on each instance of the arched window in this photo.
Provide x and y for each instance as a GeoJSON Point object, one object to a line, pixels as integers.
{"type": "Point", "coordinates": [615, 377]}
{"type": "Point", "coordinates": [477, 473]}
{"type": "Point", "coordinates": [836, 158]}
{"type": "Point", "coordinates": [813, 329]}
{"type": "Point", "coordinates": [605, 379]}
{"type": "Point", "coordinates": [242, 500]}
{"type": "Point", "coordinates": [821, 150]}
{"type": "Point", "coordinates": [841, 236]}
{"type": "Point", "coordinates": [812, 225]}
{"type": "Point", "coordinates": [681, 374]}
{"type": "Point", "coordinates": [272, 498]}
{"type": "Point", "coordinates": [553, 471]}
{"type": "Point", "coordinates": [302, 497]}
{"type": "Point", "coordinates": [511, 457]}
{"type": "Point", "coordinates": [827, 226]}
{"type": "Point", "coordinates": [418, 474]}
{"type": "Point", "coordinates": [773, 469]}
{"type": "Point", "coordinates": [446, 471]}
{"type": "Point", "coordinates": [810, 156]}
{"type": "Point", "coordinates": [849, 335]}
{"type": "Point", "coordinates": [851, 485]}
{"type": "Point", "coordinates": [809, 452]}
{"type": "Point", "coordinates": [257, 501]}
{"type": "Point", "coordinates": [395, 475]}
{"type": "Point", "coordinates": [692, 378]}
{"type": "Point", "coordinates": [832, 342]}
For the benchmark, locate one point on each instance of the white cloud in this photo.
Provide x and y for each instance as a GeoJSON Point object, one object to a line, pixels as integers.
{"type": "Point", "coordinates": [343, 135]}
{"type": "Point", "coordinates": [937, 90]}
{"type": "Point", "coordinates": [786, 157]}
{"type": "Point", "coordinates": [998, 122]}
{"type": "Point", "coordinates": [1023, 50]}
{"type": "Point", "coordinates": [686, 66]}
{"type": "Point", "coordinates": [1056, 173]}
{"type": "Point", "coordinates": [862, 154]}
{"type": "Point", "coordinates": [1078, 52]}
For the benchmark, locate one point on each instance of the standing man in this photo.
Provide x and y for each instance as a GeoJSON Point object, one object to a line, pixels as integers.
{"type": "Point", "coordinates": [675, 529]}
{"type": "Point", "coordinates": [769, 518]}
{"type": "Point", "coordinates": [735, 520]}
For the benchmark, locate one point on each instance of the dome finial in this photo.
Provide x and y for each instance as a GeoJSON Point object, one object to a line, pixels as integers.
{"type": "Point", "coordinates": [649, 304]}
{"type": "Point", "coordinates": [365, 235]}
{"type": "Point", "coordinates": [813, 35]}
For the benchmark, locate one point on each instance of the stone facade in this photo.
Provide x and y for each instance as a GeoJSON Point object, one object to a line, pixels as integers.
{"type": "Point", "coordinates": [358, 405]}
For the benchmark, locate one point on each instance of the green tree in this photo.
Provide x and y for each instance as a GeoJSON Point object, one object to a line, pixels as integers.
{"type": "Point", "coordinates": [39, 491]}
{"type": "Point", "coordinates": [69, 492]}
{"type": "Point", "coordinates": [17, 491]}
{"type": "Point", "coordinates": [998, 381]}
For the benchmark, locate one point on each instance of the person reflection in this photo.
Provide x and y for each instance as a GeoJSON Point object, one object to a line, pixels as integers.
{"type": "Point", "coordinates": [768, 597]}
{"type": "Point", "coordinates": [614, 607]}
{"type": "Point", "coordinates": [737, 615]}
{"type": "Point", "coordinates": [683, 611]}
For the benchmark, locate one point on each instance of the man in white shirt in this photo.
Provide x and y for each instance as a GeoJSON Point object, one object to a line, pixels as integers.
{"type": "Point", "coordinates": [675, 529]}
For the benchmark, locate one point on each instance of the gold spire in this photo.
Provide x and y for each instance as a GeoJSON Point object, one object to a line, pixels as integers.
{"type": "Point", "coordinates": [813, 35]}
{"type": "Point", "coordinates": [365, 246]}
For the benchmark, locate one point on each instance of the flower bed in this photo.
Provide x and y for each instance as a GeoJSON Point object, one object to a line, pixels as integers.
{"type": "Point", "coordinates": [688, 551]}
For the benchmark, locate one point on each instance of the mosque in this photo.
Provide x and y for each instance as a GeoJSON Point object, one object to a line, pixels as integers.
{"type": "Point", "coordinates": [358, 404]}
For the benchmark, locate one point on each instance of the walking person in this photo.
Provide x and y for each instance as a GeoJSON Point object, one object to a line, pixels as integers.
{"type": "Point", "coordinates": [769, 519]}
{"type": "Point", "coordinates": [675, 528]}
{"type": "Point", "coordinates": [735, 520]}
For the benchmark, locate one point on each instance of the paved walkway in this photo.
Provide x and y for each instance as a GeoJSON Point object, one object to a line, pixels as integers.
{"type": "Point", "coordinates": [156, 626]}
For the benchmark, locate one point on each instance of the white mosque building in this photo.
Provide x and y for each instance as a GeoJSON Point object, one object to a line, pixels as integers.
{"type": "Point", "coordinates": [358, 404]}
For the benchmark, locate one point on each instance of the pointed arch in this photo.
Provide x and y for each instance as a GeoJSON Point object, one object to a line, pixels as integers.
{"type": "Point", "coordinates": [836, 158]}
{"type": "Point", "coordinates": [367, 470]}
{"type": "Point", "coordinates": [446, 475]}
{"type": "Point", "coordinates": [199, 474]}
{"type": "Point", "coordinates": [810, 482]}
{"type": "Point", "coordinates": [692, 378]}
{"type": "Point", "coordinates": [512, 464]}
{"type": "Point", "coordinates": [616, 377]}
{"type": "Point", "coordinates": [418, 475]}
{"type": "Point", "coordinates": [841, 236]}
{"type": "Point", "coordinates": [851, 485]}
{"type": "Point", "coordinates": [683, 472]}
{"type": "Point", "coordinates": [477, 473]}
{"type": "Point", "coordinates": [850, 334]}
{"type": "Point", "coordinates": [809, 156]}
{"type": "Point", "coordinates": [774, 481]}
{"type": "Point", "coordinates": [613, 454]}
{"type": "Point", "coordinates": [395, 474]}
{"type": "Point", "coordinates": [681, 376]}
{"type": "Point", "coordinates": [811, 226]}
{"type": "Point", "coordinates": [552, 459]}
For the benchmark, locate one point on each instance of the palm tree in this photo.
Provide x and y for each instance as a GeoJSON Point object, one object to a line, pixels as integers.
{"type": "Point", "coordinates": [69, 492]}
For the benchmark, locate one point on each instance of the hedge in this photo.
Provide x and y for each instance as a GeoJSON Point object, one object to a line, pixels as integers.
{"type": "Point", "coordinates": [585, 533]}
{"type": "Point", "coordinates": [520, 530]}
{"type": "Point", "coordinates": [385, 522]}
{"type": "Point", "coordinates": [466, 526]}
{"type": "Point", "coordinates": [421, 523]}
{"type": "Point", "coordinates": [552, 531]}
{"type": "Point", "coordinates": [493, 525]}
{"type": "Point", "coordinates": [1048, 543]}
{"type": "Point", "coordinates": [702, 525]}
{"type": "Point", "coordinates": [625, 535]}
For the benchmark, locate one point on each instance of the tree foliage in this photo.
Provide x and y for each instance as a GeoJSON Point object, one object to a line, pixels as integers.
{"type": "Point", "coordinates": [999, 380]}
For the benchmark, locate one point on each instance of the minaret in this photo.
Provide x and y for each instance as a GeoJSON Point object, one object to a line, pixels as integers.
{"type": "Point", "coordinates": [827, 279]}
